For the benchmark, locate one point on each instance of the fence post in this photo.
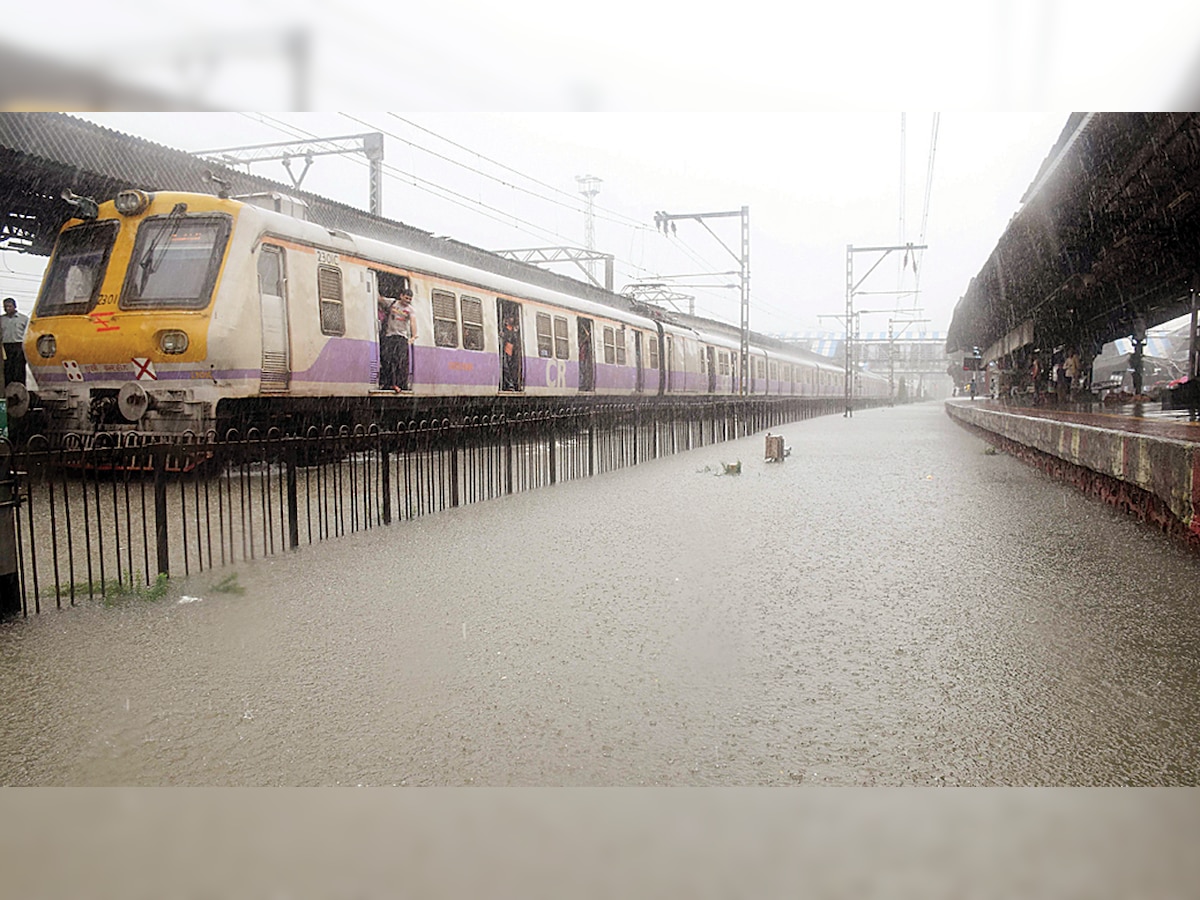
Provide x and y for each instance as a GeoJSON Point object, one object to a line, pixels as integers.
{"type": "Point", "coordinates": [10, 580]}
{"type": "Point", "coordinates": [454, 449]}
{"type": "Point", "coordinates": [508, 457]}
{"type": "Point", "coordinates": [591, 443]}
{"type": "Point", "coordinates": [159, 455]}
{"type": "Point", "coordinates": [292, 499]}
{"type": "Point", "coordinates": [385, 487]}
{"type": "Point", "coordinates": [637, 425]}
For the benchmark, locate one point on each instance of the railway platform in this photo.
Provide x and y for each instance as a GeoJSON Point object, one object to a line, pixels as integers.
{"type": "Point", "coordinates": [1139, 457]}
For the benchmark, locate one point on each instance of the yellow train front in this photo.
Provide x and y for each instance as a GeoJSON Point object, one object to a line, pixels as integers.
{"type": "Point", "coordinates": [123, 336]}
{"type": "Point", "coordinates": [164, 313]}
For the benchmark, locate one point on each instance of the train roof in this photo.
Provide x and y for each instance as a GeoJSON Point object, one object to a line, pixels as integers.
{"type": "Point", "coordinates": [619, 306]}
{"type": "Point", "coordinates": [386, 253]}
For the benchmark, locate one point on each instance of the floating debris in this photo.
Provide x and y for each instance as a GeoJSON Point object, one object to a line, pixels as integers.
{"type": "Point", "coordinates": [775, 450]}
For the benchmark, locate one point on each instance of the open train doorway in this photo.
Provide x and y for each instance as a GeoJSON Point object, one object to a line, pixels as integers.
{"type": "Point", "coordinates": [640, 382]}
{"type": "Point", "coordinates": [512, 357]}
{"type": "Point", "coordinates": [397, 367]}
{"type": "Point", "coordinates": [587, 356]}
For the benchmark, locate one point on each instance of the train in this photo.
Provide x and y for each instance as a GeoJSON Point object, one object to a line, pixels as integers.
{"type": "Point", "coordinates": [169, 312]}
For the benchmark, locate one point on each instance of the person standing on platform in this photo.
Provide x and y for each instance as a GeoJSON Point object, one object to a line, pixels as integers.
{"type": "Point", "coordinates": [12, 335]}
{"type": "Point", "coordinates": [1071, 373]}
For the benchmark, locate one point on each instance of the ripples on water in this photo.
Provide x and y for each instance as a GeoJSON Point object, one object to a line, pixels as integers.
{"type": "Point", "coordinates": [889, 606]}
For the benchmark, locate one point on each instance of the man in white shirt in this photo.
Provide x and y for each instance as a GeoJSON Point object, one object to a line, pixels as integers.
{"type": "Point", "coordinates": [12, 335]}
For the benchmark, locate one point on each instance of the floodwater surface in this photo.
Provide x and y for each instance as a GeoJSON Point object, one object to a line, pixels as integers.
{"type": "Point", "coordinates": [892, 605]}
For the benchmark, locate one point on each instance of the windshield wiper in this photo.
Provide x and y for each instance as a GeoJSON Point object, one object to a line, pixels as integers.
{"type": "Point", "coordinates": [153, 257]}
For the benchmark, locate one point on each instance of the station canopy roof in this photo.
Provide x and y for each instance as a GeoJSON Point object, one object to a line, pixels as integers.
{"type": "Point", "coordinates": [1108, 232]}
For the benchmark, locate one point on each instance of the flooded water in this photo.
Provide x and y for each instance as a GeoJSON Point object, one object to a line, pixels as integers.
{"type": "Point", "coordinates": [892, 605]}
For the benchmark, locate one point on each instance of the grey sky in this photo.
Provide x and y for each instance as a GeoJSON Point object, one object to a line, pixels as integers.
{"type": "Point", "coordinates": [788, 109]}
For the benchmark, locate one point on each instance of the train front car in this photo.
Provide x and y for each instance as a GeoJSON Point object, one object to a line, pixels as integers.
{"type": "Point", "coordinates": [119, 339]}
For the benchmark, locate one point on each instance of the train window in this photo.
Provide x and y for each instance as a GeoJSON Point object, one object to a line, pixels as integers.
{"type": "Point", "coordinates": [621, 346]}
{"type": "Point", "coordinates": [472, 323]}
{"type": "Point", "coordinates": [80, 258]}
{"type": "Point", "coordinates": [562, 346]}
{"type": "Point", "coordinates": [445, 319]}
{"type": "Point", "coordinates": [329, 293]}
{"type": "Point", "coordinates": [175, 261]}
{"type": "Point", "coordinates": [758, 369]}
{"type": "Point", "coordinates": [654, 351]}
{"type": "Point", "coordinates": [774, 369]}
{"type": "Point", "coordinates": [545, 339]}
{"type": "Point", "coordinates": [609, 348]}
{"type": "Point", "coordinates": [270, 271]}
{"type": "Point", "coordinates": [723, 363]}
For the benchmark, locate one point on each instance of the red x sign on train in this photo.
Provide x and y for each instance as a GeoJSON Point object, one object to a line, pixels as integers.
{"type": "Point", "coordinates": [143, 369]}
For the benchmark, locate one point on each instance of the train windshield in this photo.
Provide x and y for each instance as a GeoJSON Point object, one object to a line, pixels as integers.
{"type": "Point", "coordinates": [175, 262]}
{"type": "Point", "coordinates": [72, 285]}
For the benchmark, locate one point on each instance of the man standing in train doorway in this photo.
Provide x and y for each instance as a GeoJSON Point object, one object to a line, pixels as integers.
{"type": "Point", "coordinates": [399, 330]}
{"type": "Point", "coordinates": [12, 335]}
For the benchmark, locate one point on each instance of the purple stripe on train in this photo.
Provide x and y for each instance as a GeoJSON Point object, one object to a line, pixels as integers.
{"type": "Point", "coordinates": [349, 361]}
{"type": "Point", "coordinates": [448, 365]}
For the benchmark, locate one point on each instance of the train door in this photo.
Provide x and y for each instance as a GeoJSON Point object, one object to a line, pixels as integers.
{"type": "Point", "coordinates": [276, 348]}
{"type": "Point", "coordinates": [640, 382]}
{"type": "Point", "coordinates": [711, 352]}
{"type": "Point", "coordinates": [587, 356]}
{"type": "Point", "coordinates": [512, 356]}
{"type": "Point", "coordinates": [669, 363]}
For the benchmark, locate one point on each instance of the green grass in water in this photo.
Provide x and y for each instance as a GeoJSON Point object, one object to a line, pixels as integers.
{"type": "Point", "coordinates": [229, 585]}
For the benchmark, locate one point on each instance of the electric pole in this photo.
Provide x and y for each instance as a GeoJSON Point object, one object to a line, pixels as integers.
{"type": "Point", "coordinates": [587, 187]}
{"type": "Point", "coordinates": [852, 287]}
{"type": "Point", "coordinates": [369, 145]}
{"type": "Point", "coordinates": [664, 220]}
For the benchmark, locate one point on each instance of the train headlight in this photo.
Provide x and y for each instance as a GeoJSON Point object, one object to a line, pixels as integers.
{"type": "Point", "coordinates": [47, 346]}
{"type": "Point", "coordinates": [173, 342]}
{"type": "Point", "coordinates": [131, 202]}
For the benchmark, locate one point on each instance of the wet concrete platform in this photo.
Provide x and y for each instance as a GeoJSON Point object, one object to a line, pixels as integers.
{"type": "Point", "coordinates": [1141, 446]}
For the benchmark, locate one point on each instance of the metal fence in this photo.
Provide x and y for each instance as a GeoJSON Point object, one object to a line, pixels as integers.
{"type": "Point", "coordinates": [114, 513]}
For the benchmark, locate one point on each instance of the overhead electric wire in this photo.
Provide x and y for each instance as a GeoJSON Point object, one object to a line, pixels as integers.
{"type": "Point", "coordinates": [478, 207]}
{"type": "Point", "coordinates": [628, 220]}
{"type": "Point", "coordinates": [412, 179]}
{"type": "Point", "coordinates": [572, 207]}
{"type": "Point", "coordinates": [21, 276]}
{"type": "Point", "coordinates": [509, 219]}
{"type": "Point", "coordinates": [925, 212]}
{"type": "Point", "coordinates": [447, 194]}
